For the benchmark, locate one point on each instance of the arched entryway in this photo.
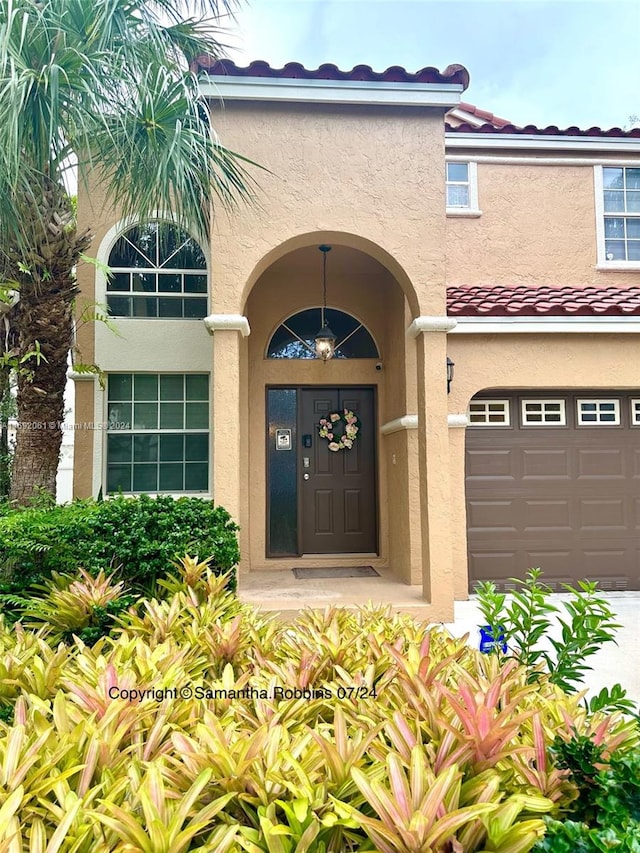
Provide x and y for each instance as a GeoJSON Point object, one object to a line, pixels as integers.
{"type": "Point", "coordinates": [305, 502]}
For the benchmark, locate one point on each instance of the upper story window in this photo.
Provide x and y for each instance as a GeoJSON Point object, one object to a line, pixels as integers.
{"type": "Point", "coordinates": [462, 189]}
{"type": "Point", "coordinates": [158, 270]}
{"type": "Point", "coordinates": [618, 204]}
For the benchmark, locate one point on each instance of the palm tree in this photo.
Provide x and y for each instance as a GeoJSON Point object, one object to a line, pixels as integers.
{"type": "Point", "coordinates": [106, 82]}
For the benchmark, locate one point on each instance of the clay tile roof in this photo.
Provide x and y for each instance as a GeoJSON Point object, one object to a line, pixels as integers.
{"type": "Point", "coordinates": [551, 130]}
{"type": "Point", "coordinates": [486, 116]}
{"type": "Point", "coordinates": [522, 301]}
{"type": "Point", "coordinates": [293, 70]}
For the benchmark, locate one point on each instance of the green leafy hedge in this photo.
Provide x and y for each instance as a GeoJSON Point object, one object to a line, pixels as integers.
{"type": "Point", "coordinates": [606, 814]}
{"type": "Point", "coordinates": [138, 537]}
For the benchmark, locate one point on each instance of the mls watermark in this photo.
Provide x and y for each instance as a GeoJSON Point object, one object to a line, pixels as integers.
{"type": "Point", "coordinates": [65, 425]}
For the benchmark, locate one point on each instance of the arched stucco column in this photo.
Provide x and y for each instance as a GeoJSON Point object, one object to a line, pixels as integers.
{"type": "Point", "coordinates": [457, 448]}
{"type": "Point", "coordinates": [227, 330]}
{"type": "Point", "coordinates": [433, 463]}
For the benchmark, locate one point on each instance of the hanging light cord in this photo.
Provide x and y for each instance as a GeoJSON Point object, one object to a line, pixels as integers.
{"type": "Point", "coordinates": [324, 249]}
{"type": "Point", "coordinates": [324, 289]}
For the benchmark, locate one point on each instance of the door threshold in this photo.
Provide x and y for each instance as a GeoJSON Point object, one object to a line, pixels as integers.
{"type": "Point", "coordinates": [351, 556]}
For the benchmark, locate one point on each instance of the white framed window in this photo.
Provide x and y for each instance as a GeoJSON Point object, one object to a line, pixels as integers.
{"type": "Point", "coordinates": [544, 413]}
{"type": "Point", "coordinates": [462, 188]}
{"type": "Point", "coordinates": [158, 432]}
{"type": "Point", "coordinates": [592, 412]}
{"type": "Point", "coordinates": [617, 191]}
{"type": "Point", "coordinates": [158, 270]}
{"type": "Point", "coordinates": [635, 412]}
{"type": "Point", "coordinates": [489, 413]}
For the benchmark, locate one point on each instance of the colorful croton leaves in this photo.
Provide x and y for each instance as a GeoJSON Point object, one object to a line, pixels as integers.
{"type": "Point", "coordinates": [411, 743]}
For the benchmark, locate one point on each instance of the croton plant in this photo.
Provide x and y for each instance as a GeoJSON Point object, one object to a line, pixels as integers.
{"type": "Point", "coordinates": [199, 724]}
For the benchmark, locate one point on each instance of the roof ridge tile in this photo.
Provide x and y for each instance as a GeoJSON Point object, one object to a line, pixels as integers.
{"type": "Point", "coordinates": [453, 74]}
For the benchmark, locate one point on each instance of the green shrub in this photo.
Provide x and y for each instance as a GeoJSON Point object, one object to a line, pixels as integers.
{"type": "Point", "coordinates": [606, 814]}
{"type": "Point", "coordinates": [526, 618]}
{"type": "Point", "coordinates": [136, 537]}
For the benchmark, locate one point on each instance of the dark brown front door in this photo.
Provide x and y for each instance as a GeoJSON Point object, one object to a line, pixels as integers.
{"type": "Point", "coordinates": [337, 493]}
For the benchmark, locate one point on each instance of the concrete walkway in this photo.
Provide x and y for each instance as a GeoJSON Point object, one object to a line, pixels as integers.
{"type": "Point", "coordinates": [278, 590]}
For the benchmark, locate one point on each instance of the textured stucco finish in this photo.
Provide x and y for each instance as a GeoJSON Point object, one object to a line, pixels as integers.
{"type": "Point", "coordinates": [339, 171]}
{"type": "Point", "coordinates": [161, 343]}
{"type": "Point", "coordinates": [83, 457]}
{"type": "Point", "coordinates": [538, 226]}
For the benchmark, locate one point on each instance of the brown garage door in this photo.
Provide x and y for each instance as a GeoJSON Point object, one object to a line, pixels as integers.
{"type": "Point", "coordinates": [553, 480]}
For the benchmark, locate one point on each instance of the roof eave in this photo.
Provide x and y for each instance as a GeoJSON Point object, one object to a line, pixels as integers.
{"type": "Point", "coordinates": [546, 324]}
{"type": "Point", "coordinates": [295, 90]}
{"type": "Point", "coordinates": [541, 142]}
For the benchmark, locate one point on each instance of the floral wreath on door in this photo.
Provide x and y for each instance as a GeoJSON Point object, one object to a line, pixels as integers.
{"type": "Point", "coordinates": [340, 429]}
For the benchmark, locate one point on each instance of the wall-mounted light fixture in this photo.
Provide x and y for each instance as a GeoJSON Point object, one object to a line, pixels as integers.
{"type": "Point", "coordinates": [325, 340]}
{"type": "Point", "coordinates": [450, 366]}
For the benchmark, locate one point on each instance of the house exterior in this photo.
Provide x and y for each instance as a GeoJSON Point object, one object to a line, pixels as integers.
{"type": "Point", "coordinates": [454, 237]}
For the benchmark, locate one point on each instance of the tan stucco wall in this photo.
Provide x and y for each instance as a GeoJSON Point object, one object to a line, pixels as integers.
{"type": "Point", "coordinates": [538, 227]}
{"type": "Point", "coordinates": [541, 361]}
{"type": "Point", "coordinates": [377, 174]}
{"type": "Point", "coordinates": [83, 440]}
{"type": "Point", "coordinates": [338, 176]}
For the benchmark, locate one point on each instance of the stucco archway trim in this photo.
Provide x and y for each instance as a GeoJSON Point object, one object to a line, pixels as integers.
{"type": "Point", "coordinates": [405, 422]}
{"type": "Point", "coordinates": [227, 323]}
{"type": "Point", "coordinates": [334, 238]}
{"type": "Point", "coordinates": [76, 376]}
{"type": "Point", "coordinates": [456, 421]}
{"type": "Point", "coordinates": [431, 324]}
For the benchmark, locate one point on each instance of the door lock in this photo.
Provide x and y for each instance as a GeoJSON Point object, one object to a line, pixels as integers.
{"type": "Point", "coordinates": [306, 476]}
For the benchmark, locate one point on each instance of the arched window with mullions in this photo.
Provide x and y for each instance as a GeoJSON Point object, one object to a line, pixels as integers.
{"type": "Point", "coordinates": [295, 337]}
{"type": "Point", "coordinates": [158, 270]}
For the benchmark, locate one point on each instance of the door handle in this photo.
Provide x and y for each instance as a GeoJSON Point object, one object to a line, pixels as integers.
{"type": "Point", "coordinates": [306, 476]}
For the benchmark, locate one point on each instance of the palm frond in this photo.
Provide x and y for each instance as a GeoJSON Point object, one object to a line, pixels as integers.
{"type": "Point", "coordinates": [110, 82]}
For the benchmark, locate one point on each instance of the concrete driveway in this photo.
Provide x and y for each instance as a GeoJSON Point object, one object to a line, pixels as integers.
{"type": "Point", "coordinates": [612, 664]}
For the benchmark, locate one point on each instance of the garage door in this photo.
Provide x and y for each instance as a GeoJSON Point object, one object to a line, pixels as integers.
{"type": "Point", "coordinates": [553, 481]}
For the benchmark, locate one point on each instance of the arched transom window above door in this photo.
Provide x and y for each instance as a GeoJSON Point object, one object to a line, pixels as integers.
{"type": "Point", "coordinates": [295, 338]}
{"type": "Point", "coordinates": [158, 270]}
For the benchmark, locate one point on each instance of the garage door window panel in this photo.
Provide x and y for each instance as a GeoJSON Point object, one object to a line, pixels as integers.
{"type": "Point", "coordinates": [635, 412]}
{"type": "Point", "coordinates": [598, 412]}
{"type": "Point", "coordinates": [489, 413]}
{"type": "Point", "coordinates": [544, 413]}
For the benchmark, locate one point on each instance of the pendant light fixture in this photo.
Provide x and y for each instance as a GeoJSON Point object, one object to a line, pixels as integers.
{"type": "Point", "coordinates": [325, 340]}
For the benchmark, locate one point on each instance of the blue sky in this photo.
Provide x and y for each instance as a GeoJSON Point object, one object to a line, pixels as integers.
{"type": "Point", "coordinates": [544, 62]}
